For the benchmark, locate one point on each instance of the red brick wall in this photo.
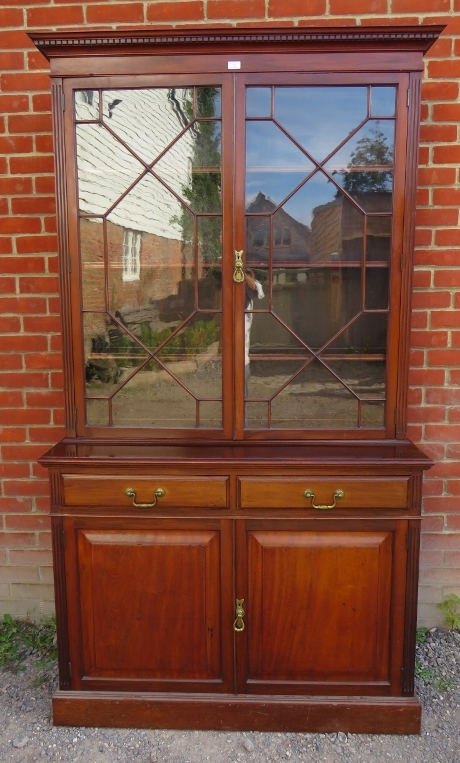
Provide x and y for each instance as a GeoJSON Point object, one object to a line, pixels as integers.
{"type": "Point", "coordinates": [30, 361]}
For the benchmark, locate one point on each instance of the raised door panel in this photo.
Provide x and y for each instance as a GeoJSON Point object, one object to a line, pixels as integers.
{"type": "Point", "coordinates": [319, 605]}
{"type": "Point", "coordinates": [150, 606]}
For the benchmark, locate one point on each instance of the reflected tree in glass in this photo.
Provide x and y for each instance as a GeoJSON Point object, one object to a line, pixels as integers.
{"type": "Point", "coordinates": [372, 151]}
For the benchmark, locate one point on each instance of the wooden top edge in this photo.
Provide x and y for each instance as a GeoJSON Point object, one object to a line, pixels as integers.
{"type": "Point", "coordinates": [151, 40]}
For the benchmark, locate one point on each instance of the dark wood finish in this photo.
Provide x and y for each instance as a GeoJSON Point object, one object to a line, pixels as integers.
{"type": "Point", "coordinates": [359, 715]}
{"type": "Point", "coordinates": [146, 597]}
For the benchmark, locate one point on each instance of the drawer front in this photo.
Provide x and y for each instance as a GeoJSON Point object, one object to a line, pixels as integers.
{"type": "Point", "coordinates": [288, 493]}
{"type": "Point", "coordinates": [179, 492]}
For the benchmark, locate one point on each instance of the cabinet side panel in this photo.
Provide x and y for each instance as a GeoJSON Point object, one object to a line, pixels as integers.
{"type": "Point", "coordinates": [61, 602]}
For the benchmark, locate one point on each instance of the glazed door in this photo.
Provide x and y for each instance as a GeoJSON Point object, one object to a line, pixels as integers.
{"type": "Point", "coordinates": [152, 248]}
{"type": "Point", "coordinates": [319, 216]}
{"type": "Point", "coordinates": [147, 602]}
{"type": "Point", "coordinates": [323, 606]}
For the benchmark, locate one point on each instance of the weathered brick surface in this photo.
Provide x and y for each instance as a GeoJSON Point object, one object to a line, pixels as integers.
{"type": "Point", "coordinates": [31, 404]}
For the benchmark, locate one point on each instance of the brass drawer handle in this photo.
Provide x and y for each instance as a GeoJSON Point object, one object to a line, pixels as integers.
{"type": "Point", "coordinates": [324, 506]}
{"type": "Point", "coordinates": [238, 625]}
{"type": "Point", "coordinates": [159, 493]}
{"type": "Point", "coordinates": [238, 273]}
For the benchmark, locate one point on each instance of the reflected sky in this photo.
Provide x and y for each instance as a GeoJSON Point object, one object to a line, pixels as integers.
{"type": "Point", "coordinates": [320, 117]}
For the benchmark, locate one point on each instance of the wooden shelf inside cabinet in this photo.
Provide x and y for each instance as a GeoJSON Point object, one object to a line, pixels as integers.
{"type": "Point", "coordinates": [236, 502]}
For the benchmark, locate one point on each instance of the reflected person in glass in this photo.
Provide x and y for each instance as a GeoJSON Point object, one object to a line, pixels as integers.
{"type": "Point", "coordinates": [253, 290]}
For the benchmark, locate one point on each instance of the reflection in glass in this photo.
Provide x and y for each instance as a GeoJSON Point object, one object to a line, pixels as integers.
{"type": "Point", "coordinates": [86, 104]}
{"type": "Point", "coordinates": [373, 415]}
{"type": "Point", "coordinates": [193, 355]}
{"type": "Point", "coordinates": [366, 335]}
{"type": "Point", "coordinates": [383, 101]}
{"type": "Point", "coordinates": [258, 101]}
{"type": "Point", "coordinates": [147, 120]}
{"type": "Point", "coordinates": [111, 355]}
{"type": "Point", "coordinates": [371, 147]}
{"type": "Point", "coordinates": [210, 414]}
{"type": "Point", "coordinates": [208, 101]}
{"type": "Point", "coordinates": [377, 285]}
{"type": "Point", "coordinates": [274, 164]}
{"type": "Point", "coordinates": [153, 398]}
{"type": "Point", "coordinates": [316, 303]}
{"type": "Point", "coordinates": [314, 399]}
{"type": "Point", "coordinates": [210, 289]}
{"type": "Point", "coordinates": [191, 167]}
{"type": "Point", "coordinates": [320, 118]}
{"type": "Point", "coordinates": [365, 377]}
{"type": "Point", "coordinates": [378, 239]}
{"type": "Point", "coordinates": [97, 412]}
{"type": "Point", "coordinates": [105, 168]}
{"type": "Point", "coordinates": [256, 415]}
{"type": "Point", "coordinates": [210, 240]}
{"type": "Point", "coordinates": [92, 263]}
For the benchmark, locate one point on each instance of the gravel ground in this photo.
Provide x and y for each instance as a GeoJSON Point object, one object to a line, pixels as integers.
{"type": "Point", "coordinates": [27, 734]}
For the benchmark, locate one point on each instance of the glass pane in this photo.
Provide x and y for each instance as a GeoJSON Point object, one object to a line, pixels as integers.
{"type": "Point", "coordinates": [111, 355]}
{"type": "Point", "coordinates": [316, 303]}
{"type": "Point", "coordinates": [191, 167]}
{"type": "Point", "coordinates": [193, 355]}
{"type": "Point", "coordinates": [256, 415]}
{"type": "Point", "coordinates": [148, 120]}
{"type": "Point", "coordinates": [378, 239]}
{"type": "Point", "coordinates": [210, 289]}
{"type": "Point", "coordinates": [274, 164]}
{"type": "Point", "coordinates": [372, 414]}
{"type": "Point", "coordinates": [371, 147]}
{"type": "Point", "coordinates": [92, 264]}
{"type": "Point", "coordinates": [366, 336]}
{"type": "Point", "coordinates": [258, 236]}
{"type": "Point", "coordinates": [97, 412]}
{"type": "Point", "coordinates": [258, 101]}
{"type": "Point", "coordinates": [210, 240]}
{"type": "Point", "coordinates": [320, 118]}
{"type": "Point", "coordinates": [208, 101]}
{"type": "Point", "coordinates": [86, 104]}
{"type": "Point", "coordinates": [377, 283]}
{"type": "Point", "coordinates": [105, 168]}
{"type": "Point", "coordinates": [365, 377]}
{"type": "Point", "coordinates": [314, 399]}
{"type": "Point", "coordinates": [153, 398]}
{"type": "Point", "coordinates": [383, 101]}
{"type": "Point", "coordinates": [210, 414]}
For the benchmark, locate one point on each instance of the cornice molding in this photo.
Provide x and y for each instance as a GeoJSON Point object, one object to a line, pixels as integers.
{"type": "Point", "coordinates": [147, 40]}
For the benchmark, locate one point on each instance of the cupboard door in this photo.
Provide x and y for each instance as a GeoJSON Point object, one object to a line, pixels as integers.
{"type": "Point", "coordinates": [323, 604]}
{"type": "Point", "coordinates": [150, 604]}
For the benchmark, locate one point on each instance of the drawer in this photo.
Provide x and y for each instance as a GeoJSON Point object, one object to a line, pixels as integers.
{"type": "Point", "coordinates": [179, 492]}
{"type": "Point", "coordinates": [287, 493]}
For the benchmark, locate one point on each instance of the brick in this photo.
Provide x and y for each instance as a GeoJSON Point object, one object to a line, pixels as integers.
{"type": "Point", "coordinates": [44, 539]}
{"type": "Point", "coordinates": [26, 522]}
{"type": "Point", "coordinates": [421, 279]}
{"type": "Point", "coordinates": [444, 357]}
{"type": "Point", "coordinates": [7, 285]}
{"type": "Point", "coordinates": [425, 413]}
{"type": "Point", "coordinates": [447, 278]}
{"type": "Point", "coordinates": [31, 165]}
{"type": "Point", "coordinates": [419, 319]}
{"type": "Point", "coordinates": [447, 112]}
{"type": "Point", "coordinates": [9, 323]}
{"type": "Point", "coordinates": [56, 16]}
{"type": "Point", "coordinates": [11, 17]}
{"type": "Point", "coordinates": [432, 558]}
{"type": "Point", "coordinates": [437, 217]}
{"type": "Point", "coordinates": [423, 237]}
{"type": "Point", "coordinates": [30, 591]}
{"type": "Point", "coordinates": [45, 184]}
{"type": "Point", "coordinates": [35, 244]}
{"type": "Point", "coordinates": [431, 299]}
{"type": "Point", "coordinates": [23, 264]}
{"type": "Point", "coordinates": [23, 304]}
{"type": "Point", "coordinates": [52, 361]}
{"type": "Point", "coordinates": [235, 9]}
{"type": "Point", "coordinates": [423, 197]}
{"type": "Point", "coordinates": [22, 557]}
{"type": "Point", "coordinates": [44, 144]}
{"type": "Point", "coordinates": [28, 81]}
{"type": "Point", "coordinates": [354, 7]}
{"type": "Point", "coordinates": [420, 6]}
{"type": "Point", "coordinates": [436, 176]}
{"type": "Point", "coordinates": [279, 8]}
{"type": "Point", "coordinates": [24, 123]}
{"type": "Point", "coordinates": [23, 343]}
{"type": "Point", "coordinates": [427, 376]}
{"type": "Point", "coordinates": [35, 60]}
{"type": "Point", "coordinates": [21, 225]}
{"type": "Point", "coordinates": [23, 380]}
{"type": "Point", "coordinates": [15, 185]}
{"type": "Point", "coordinates": [46, 574]}
{"type": "Point", "coordinates": [13, 539]}
{"type": "Point", "coordinates": [414, 397]}
{"type": "Point", "coordinates": [442, 48]}
{"type": "Point", "coordinates": [100, 14]}
{"type": "Point", "coordinates": [434, 575]}
{"type": "Point", "coordinates": [42, 323]}
{"type": "Point", "coordinates": [34, 205]}
{"type": "Point", "coordinates": [39, 284]}
{"type": "Point", "coordinates": [453, 522]}
{"type": "Point", "coordinates": [16, 573]}
{"type": "Point", "coordinates": [446, 154]}
{"type": "Point", "coordinates": [438, 133]}
{"type": "Point", "coordinates": [429, 339]}
{"type": "Point", "coordinates": [178, 11]}
{"type": "Point", "coordinates": [440, 91]}
{"type": "Point", "coordinates": [25, 416]}
{"type": "Point", "coordinates": [452, 558]}
{"type": "Point", "coordinates": [11, 399]}
{"type": "Point", "coordinates": [41, 101]}
{"type": "Point", "coordinates": [446, 196]}
{"type": "Point", "coordinates": [6, 246]}
{"type": "Point", "coordinates": [447, 237]}
{"type": "Point", "coordinates": [423, 155]}
{"type": "Point", "coordinates": [445, 319]}
{"type": "Point", "coordinates": [17, 471]}
{"type": "Point", "coordinates": [10, 361]}
{"type": "Point", "coordinates": [454, 376]}
{"type": "Point", "coordinates": [47, 434]}
{"type": "Point", "coordinates": [346, 21]}
{"type": "Point", "coordinates": [433, 487]}
{"type": "Point", "coordinates": [11, 60]}
{"type": "Point", "coordinates": [22, 452]}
